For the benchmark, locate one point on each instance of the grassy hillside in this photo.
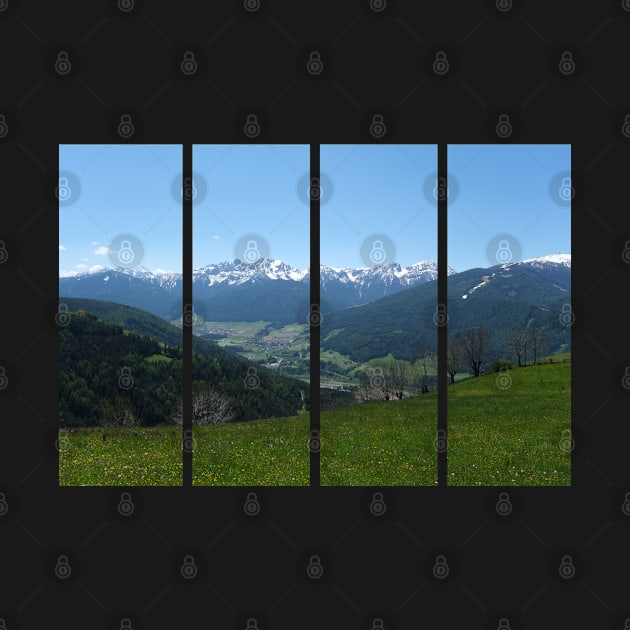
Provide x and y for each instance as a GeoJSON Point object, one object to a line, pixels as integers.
{"type": "Point", "coordinates": [495, 436]}
{"type": "Point", "coordinates": [511, 436]}
{"type": "Point", "coordinates": [505, 437]}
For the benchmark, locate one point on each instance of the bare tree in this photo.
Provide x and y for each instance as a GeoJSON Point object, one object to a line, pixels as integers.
{"type": "Point", "coordinates": [537, 341]}
{"type": "Point", "coordinates": [475, 346]}
{"type": "Point", "coordinates": [118, 413]}
{"type": "Point", "coordinates": [420, 369]}
{"type": "Point", "coordinates": [374, 384]}
{"type": "Point", "coordinates": [517, 339]}
{"type": "Point", "coordinates": [454, 357]}
{"type": "Point", "coordinates": [398, 377]}
{"type": "Point", "coordinates": [209, 406]}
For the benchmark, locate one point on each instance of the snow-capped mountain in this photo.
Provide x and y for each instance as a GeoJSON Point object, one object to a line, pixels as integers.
{"type": "Point", "coordinates": [235, 290]}
{"type": "Point", "coordinates": [272, 290]}
{"type": "Point", "coordinates": [534, 292]}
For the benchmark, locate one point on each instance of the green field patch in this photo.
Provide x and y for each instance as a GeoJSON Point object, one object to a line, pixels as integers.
{"type": "Point", "coordinates": [273, 452]}
{"type": "Point", "coordinates": [156, 358]}
{"type": "Point", "coordinates": [514, 436]}
{"type": "Point", "coordinates": [144, 456]}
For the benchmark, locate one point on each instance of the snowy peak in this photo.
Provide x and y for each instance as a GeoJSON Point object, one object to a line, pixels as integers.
{"type": "Point", "coordinates": [554, 259]}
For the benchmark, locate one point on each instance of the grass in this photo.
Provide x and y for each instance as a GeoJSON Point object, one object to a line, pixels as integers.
{"type": "Point", "coordinates": [146, 456]}
{"type": "Point", "coordinates": [380, 443]}
{"type": "Point", "coordinates": [496, 437]}
{"type": "Point", "coordinates": [513, 436]}
{"type": "Point", "coordinates": [273, 452]}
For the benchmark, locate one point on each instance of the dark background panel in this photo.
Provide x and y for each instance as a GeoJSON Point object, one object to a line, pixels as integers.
{"type": "Point", "coordinates": [374, 58]}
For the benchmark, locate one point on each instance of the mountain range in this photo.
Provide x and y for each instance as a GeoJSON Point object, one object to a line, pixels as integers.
{"type": "Point", "coordinates": [267, 289]}
{"type": "Point", "coordinates": [367, 312]}
{"type": "Point", "coordinates": [534, 292]}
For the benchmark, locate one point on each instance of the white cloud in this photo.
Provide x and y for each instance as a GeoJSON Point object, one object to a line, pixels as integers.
{"type": "Point", "coordinates": [62, 248]}
{"type": "Point", "coordinates": [81, 266]}
{"type": "Point", "coordinates": [94, 268]}
{"type": "Point", "coordinates": [95, 243]}
{"type": "Point", "coordinates": [101, 251]}
{"type": "Point", "coordinates": [216, 237]}
{"type": "Point", "coordinates": [84, 259]}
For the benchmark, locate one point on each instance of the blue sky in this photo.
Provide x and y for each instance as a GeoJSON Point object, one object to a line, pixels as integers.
{"type": "Point", "coordinates": [509, 190]}
{"type": "Point", "coordinates": [124, 189]}
{"type": "Point", "coordinates": [370, 193]}
{"type": "Point", "coordinates": [378, 190]}
{"type": "Point", "coordinates": [251, 192]}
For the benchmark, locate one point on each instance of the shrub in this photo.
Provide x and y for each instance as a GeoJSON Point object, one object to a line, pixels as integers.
{"type": "Point", "coordinates": [501, 364]}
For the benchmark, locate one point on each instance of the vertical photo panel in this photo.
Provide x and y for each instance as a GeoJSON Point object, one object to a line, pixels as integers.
{"type": "Point", "coordinates": [251, 344]}
{"type": "Point", "coordinates": [119, 315]}
{"type": "Point", "coordinates": [378, 222]}
{"type": "Point", "coordinates": [510, 317]}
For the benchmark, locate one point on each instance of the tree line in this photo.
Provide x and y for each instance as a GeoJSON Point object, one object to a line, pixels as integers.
{"type": "Point", "coordinates": [469, 351]}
